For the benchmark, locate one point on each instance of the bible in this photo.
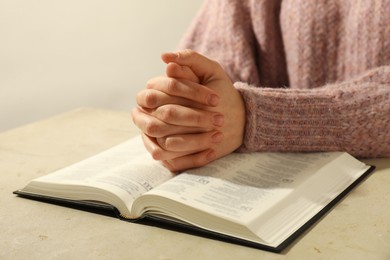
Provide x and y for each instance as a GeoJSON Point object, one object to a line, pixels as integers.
{"type": "Point", "coordinates": [263, 200]}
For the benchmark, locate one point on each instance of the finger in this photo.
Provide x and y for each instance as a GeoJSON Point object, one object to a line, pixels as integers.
{"type": "Point", "coordinates": [175, 70]}
{"type": "Point", "coordinates": [185, 89]}
{"type": "Point", "coordinates": [156, 128]}
{"type": "Point", "coordinates": [151, 98]}
{"type": "Point", "coordinates": [157, 152]}
{"type": "Point", "coordinates": [190, 161]}
{"type": "Point", "coordinates": [190, 142]}
{"type": "Point", "coordinates": [203, 67]}
{"type": "Point", "coordinates": [187, 116]}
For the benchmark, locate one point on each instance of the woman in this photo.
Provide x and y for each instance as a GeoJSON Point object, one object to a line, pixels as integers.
{"type": "Point", "coordinates": [281, 75]}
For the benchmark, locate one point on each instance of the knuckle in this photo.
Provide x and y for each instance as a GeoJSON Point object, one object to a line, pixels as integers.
{"type": "Point", "coordinates": [150, 99]}
{"type": "Point", "coordinates": [162, 142]}
{"type": "Point", "coordinates": [157, 153]}
{"type": "Point", "coordinates": [152, 129]}
{"type": "Point", "coordinates": [167, 113]}
{"type": "Point", "coordinates": [172, 85]}
{"type": "Point", "coordinates": [150, 83]}
{"type": "Point", "coordinates": [170, 166]}
{"type": "Point", "coordinates": [169, 144]}
{"type": "Point", "coordinates": [175, 166]}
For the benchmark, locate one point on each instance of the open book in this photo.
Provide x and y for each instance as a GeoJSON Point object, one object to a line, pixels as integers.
{"type": "Point", "coordinates": [264, 200]}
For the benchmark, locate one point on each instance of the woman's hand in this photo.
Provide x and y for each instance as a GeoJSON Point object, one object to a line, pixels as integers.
{"type": "Point", "coordinates": [192, 117]}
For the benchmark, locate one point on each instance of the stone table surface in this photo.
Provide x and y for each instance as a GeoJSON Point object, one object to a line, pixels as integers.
{"type": "Point", "coordinates": [358, 227]}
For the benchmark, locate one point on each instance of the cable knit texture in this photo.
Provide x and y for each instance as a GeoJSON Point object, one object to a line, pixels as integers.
{"type": "Point", "coordinates": [314, 75]}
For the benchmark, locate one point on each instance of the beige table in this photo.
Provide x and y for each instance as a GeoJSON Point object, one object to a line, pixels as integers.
{"type": "Point", "coordinates": [357, 228]}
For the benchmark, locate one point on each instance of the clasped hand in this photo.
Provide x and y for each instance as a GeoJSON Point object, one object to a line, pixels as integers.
{"type": "Point", "coordinates": [191, 116]}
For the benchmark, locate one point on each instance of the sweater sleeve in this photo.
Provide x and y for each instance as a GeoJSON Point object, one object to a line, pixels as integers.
{"type": "Point", "coordinates": [351, 116]}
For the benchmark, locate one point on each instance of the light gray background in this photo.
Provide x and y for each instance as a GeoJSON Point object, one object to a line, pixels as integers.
{"type": "Point", "coordinates": [58, 55]}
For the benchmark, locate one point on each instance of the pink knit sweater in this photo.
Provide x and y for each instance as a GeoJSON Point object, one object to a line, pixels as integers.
{"type": "Point", "coordinates": [314, 75]}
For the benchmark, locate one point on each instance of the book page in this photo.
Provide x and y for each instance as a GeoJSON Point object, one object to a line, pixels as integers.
{"type": "Point", "coordinates": [134, 178]}
{"type": "Point", "coordinates": [242, 186]}
{"type": "Point", "coordinates": [306, 201]}
{"type": "Point", "coordinates": [126, 170]}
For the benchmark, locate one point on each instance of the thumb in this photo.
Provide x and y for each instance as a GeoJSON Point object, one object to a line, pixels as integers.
{"type": "Point", "coordinates": [203, 67]}
{"type": "Point", "coordinates": [177, 71]}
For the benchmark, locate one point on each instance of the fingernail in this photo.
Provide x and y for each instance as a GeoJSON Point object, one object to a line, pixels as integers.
{"type": "Point", "coordinates": [218, 120]}
{"type": "Point", "coordinates": [213, 100]}
{"type": "Point", "coordinates": [210, 156]}
{"type": "Point", "coordinates": [217, 137]}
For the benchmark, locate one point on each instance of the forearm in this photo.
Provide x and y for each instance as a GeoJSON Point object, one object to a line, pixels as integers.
{"type": "Point", "coordinates": [352, 116]}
